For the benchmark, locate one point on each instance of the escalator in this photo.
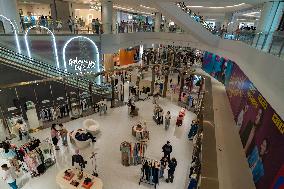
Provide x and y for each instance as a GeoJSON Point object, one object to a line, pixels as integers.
{"type": "Point", "coordinates": [189, 24]}
{"type": "Point", "coordinates": [43, 70]}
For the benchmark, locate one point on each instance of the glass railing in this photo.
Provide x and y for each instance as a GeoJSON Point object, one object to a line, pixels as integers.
{"type": "Point", "coordinates": [272, 43]}
{"type": "Point", "coordinates": [37, 67]}
{"type": "Point", "coordinates": [194, 16]}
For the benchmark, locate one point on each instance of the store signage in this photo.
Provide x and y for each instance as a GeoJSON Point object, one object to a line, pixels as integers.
{"type": "Point", "coordinates": [81, 64]}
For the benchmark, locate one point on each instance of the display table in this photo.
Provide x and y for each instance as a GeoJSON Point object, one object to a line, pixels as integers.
{"type": "Point", "coordinates": [65, 184]}
{"type": "Point", "coordinates": [77, 143]}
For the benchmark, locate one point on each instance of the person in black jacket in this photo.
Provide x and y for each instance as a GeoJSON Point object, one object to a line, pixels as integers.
{"type": "Point", "coordinates": [77, 158]}
{"type": "Point", "coordinates": [167, 149]}
{"type": "Point", "coordinates": [172, 167]}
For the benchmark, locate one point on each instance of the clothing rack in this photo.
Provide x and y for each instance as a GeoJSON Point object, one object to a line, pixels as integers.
{"type": "Point", "coordinates": [132, 153]}
{"type": "Point", "coordinates": [150, 171]}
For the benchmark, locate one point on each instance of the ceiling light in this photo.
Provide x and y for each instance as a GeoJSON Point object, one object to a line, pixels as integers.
{"type": "Point", "coordinates": [216, 7]}
{"type": "Point", "coordinates": [194, 6]}
{"type": "Point", "coordinates": [147, 7]}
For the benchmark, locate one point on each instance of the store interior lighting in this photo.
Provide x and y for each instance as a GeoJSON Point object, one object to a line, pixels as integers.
{"type": "Point", "coordinates": [219, 7]}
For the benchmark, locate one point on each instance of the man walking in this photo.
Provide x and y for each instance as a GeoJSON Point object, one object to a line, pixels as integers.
{"type": "Point", "coordinates": [167, 149]}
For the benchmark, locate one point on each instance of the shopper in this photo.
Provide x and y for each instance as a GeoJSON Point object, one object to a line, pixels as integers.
{"type": "Point", "coordinates": [164, 163]}
{"type": "Point", "coordinates": [97, 26]}
{"type": "Point", "coordinates": [23, 128]}
{"type": "Point", "coordinates": [167, 120]}
{"type": "Point", "coordinates": [9, 176]}
{"type": "Point", "coordinates": [70, 23]}
{"type": "Point", "coordinates": [54, 136]}
{"type": "Point", "coordinates": [172, 167]}
{"type": "Point", "coordinates": [167, 149]}
{"type": "Point", "coordinates": [63, 134]}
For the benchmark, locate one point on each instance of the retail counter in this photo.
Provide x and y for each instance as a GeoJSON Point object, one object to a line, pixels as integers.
{"type": "Point", "coordinates": [66, 184]}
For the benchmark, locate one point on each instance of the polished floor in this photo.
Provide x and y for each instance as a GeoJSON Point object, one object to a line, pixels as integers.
{"type": "Point", "coordinates": [116, 128]}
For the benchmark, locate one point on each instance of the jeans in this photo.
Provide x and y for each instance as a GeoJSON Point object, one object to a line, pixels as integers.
{"type": "Point", "coordinates": [13, 185]}
{"type": "Point", "coordinates": [167, 124]}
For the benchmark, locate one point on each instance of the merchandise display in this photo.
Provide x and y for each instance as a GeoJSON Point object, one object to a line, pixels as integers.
{"type": "Point", "coordinates": [180, 117]}
{"type": "Point", "coordinates": [35, 156]}
{"type": "Point", "coordinates": [192, 92]}
{"type": "Point", "coordinates": [150, 172]}
{"type": "Point", "coordinates": [76, 179]}
{"type": "Point", "coordinates": [140, 132]}
{"type": "Point", "coordinates": [132, 153]}
{"type": "Point", "coordinates": [158, 114]}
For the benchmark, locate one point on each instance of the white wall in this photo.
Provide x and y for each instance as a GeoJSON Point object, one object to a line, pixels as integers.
{"type": "Point", "coordinates": [35, 9]}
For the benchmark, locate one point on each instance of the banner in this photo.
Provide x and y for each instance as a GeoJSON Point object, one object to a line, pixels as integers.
{"type": "Point", "coordinates": [218, 67]}
{"type": "Point", "coordinates": [260, 127]}
{"type": "Point", "coordinates": [261, 130]}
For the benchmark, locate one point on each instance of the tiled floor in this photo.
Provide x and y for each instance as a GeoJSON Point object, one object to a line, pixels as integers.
{"type": "Point", "coordinates": [116, 128]}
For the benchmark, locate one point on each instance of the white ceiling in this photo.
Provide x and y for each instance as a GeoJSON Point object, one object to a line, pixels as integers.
{"type": "Point", "coordinates": [220, 7]}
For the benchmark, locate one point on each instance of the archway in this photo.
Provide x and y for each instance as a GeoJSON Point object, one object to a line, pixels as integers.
{"type": "Point", "coordinates": [53, 39]}
{"type": "Point", "coordinates": [95, 48]}
{"type": "Point", "coordinates": [15, 32]}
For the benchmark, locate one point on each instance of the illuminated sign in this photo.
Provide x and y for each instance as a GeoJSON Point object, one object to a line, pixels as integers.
{"type": "Point", "coordinates": [82, 65]}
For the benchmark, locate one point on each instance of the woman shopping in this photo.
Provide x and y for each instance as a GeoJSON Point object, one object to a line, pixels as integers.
{"type": "Point", "coordinates": [54, 136]}
{"type": "Point", "coordinates": [167, 120]}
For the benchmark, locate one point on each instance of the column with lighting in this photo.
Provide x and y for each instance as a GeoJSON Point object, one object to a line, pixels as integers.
{"type": "Point", "coordinates": [158, 20]}
{"type": "Point", "coordinates": [107, 11]}
{"type": "Point", "coordinates": [114, 21]}
{"type": "Point", "coordinates": [9, 15]}
{"type": "Point", "coordinates": [268, 23]}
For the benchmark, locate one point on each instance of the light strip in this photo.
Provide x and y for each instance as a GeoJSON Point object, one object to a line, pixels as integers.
{"type": "Point", "coordinates": [229, 6]}
{"type": "Point", "coordinates": [15, 33]}
{"type": "Point", "coordinates": [194, 6]}
{"type": "Point", "coordinates": [96, 52]}
{"type": "Point", "coordinates": [53, 39]}
{"type": "Point", "coordinates": [147, 7]}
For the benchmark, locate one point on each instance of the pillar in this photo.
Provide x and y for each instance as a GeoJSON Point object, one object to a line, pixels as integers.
{"type": "Point", "coordinates": [56, 11]}
{"type": "Point", "coordinates": [268, 23]}
{"type": "Point", "coordinates": [107, 10]}
{"type": "Point", "coordinates": [166, 25]}
{"type": "Point", "coordinates": [114, 22]}
{"type": "Point", "coordinates": [108, 62]}
{"type": "Point", "coordinates": [9, 9]}
{"type": "Point", "coordinates": [227, 19]}
{"type": "Point", "coordinates": [158, 19]}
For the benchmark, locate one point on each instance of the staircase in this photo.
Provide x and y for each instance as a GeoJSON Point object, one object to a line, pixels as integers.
{"type": "Point", "coordinates": [35, 67]}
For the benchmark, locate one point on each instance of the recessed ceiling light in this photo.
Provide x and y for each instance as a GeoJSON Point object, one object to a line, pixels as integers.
{"type": "Point", "coordinates": [194, 6]}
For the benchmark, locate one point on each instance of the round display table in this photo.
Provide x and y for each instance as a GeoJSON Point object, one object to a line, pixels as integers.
{"type": "Point", "coordinates": [65, 182]}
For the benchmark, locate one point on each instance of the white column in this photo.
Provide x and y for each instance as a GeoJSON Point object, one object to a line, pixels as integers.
{"type": "Point", "coordinates": [167, 23]}
{"type": "Point", "coordinates": [158, 19]}
{"type": "Point", "coordinates": [9, 9]}
{"type": "Point", "coordinates": [107, 16]}
{"type": "Point", "coordinates": [114, 22]}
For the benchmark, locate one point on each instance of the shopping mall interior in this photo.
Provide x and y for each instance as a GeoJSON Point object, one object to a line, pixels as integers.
{"type": "Point", "coordinates": [138, 94]}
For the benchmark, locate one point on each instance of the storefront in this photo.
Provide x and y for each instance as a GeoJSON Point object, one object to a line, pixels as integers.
{"type": "Point", "coordinates": [30, 13]}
